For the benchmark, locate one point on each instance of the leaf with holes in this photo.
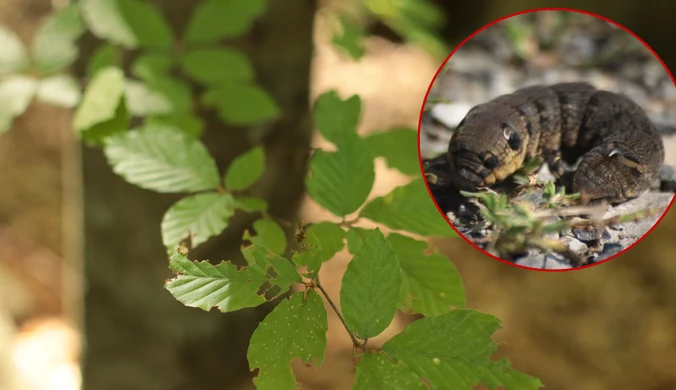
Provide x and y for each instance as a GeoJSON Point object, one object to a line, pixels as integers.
{"type": "Point", "coordinates": [331, 237]}
{"type": "Point", "coordinates": [242, 104]}
{"type": "Point", "coordinates": [199, 217]}
{"type": "Point", "coordinates": [399, 147]}
{"type": "Point", "coordinates": [310, 255]}
{"type": "Point", "coordinates": [217, 66]}
{"type": "Point", "coordinates": [268, 234]}
{"type": "Point", "coordinates": [296, 328]}
{"type": "Point", "coordinates": [277, 270]}
{"type": "Point", "coordinates": [204, 285]}
{"type": "Point", "coordinates": [408, 208]}
{"type": "Point", "coordinates": [13, 56]}
{"type": "Point", "coordinates": [163, 161]}
{"type": "Point", "coordinates": [431, 283]}
{"type": "Point", "coordinates": [131, 24]}
{"type": "Point", "coordinates": [213, 20]}
{"type": "Point", "coordinates": [16, 94]}
{"type": "Point", "coordinates": [245, 170]}
{"type": "Point", "coordinates": [377, 372]}
{"type": "Point", "coordinates": [452, 351]}
{"type": "Point", "coordinates": [55, 43]}
{"type": "Point", "coordinates": [337, 119]}
{"type": "Point", "coordinates": [371, 287]}
{"type": "Point", "coordinates": [333, 181]}
{"type": "Point", "coordinates": [60, 90]}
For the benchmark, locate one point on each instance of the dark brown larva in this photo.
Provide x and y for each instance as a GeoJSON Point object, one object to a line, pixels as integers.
{"type": "Point", "coordinates": [620, 148]}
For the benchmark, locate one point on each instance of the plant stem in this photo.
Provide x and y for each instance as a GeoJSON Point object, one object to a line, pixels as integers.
{"type": "Point", "coordinates": [355, 342]}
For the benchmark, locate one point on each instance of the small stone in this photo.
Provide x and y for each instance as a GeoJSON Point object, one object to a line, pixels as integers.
{"type": "Point", "coordinates": [543, 262]}
{"type": "Point", "coordinates": [667, 178]}
{"type": "Point", "coordinates": [577, 246]}
{"type": "Point", "coordinates": [606, 235]}
{"type": "Point", "coordinates": [609, 250]}
{"type": "Point", "coordinates": [587, 234]}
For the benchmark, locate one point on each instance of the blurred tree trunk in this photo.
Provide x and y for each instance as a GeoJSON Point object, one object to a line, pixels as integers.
{"type": "Point", "coordinates": [137, 336]}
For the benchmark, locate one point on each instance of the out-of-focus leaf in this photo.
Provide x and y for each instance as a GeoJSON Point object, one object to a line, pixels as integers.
{"type": "Point", "coordinates": [162, 161]}
{"type": "Point", "coordinates": [214, 20]}
{"type": "Point", "coordinates": [217, 66]}
{"type": "Point", "coordinates": [60, 90]}
{"type": "Point", "coordinates": [54, 44]}
{"type": "Point", "coordinates": [128, 23]}
{"type": "Point", "coordinates": [152, 66]}
{"type": "Point", "coordinates": [104, 56]}
{"type": "Point", "coordinates": [102, 112]}
{"type": "Point", "coordinates": [16, 94]}
{"type": "Point", "coordinates": [13, 56]}
{"type": "Point", "coordinates": [242, 104]}
{"type": "Point", "coordinates": [350, 38]}
{"type": "Point", "coordinates": [245, 170]}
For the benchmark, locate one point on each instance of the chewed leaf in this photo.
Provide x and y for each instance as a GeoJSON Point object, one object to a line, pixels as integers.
{"type": "Point", "coordinates": [452, 351]}
{"type": "Point", "coordinates": [268, 234]}
{"type": "Point", "coordinates": [377, 372]}
{"type": "Point", "coordinates": [296, 328]}
{"type": "Point", "coordinates": [264, 262]}
{"type": "Point", "coordinates": [199, 217]}
{"type": "Point", "coordinates": [204, 285]}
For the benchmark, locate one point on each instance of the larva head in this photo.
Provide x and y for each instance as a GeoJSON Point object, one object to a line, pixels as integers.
{"type": "Point", "coordinates": [488, 146]}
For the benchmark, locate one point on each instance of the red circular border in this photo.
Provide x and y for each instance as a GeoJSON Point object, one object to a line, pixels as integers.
{"type": "Point", "coordinates": [443, 64]}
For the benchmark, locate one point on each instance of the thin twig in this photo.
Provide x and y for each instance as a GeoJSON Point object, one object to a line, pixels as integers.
{"type": "Point", "coordinates": [355, 342]}
{"type": "Point", "coordinates": [348, 223]}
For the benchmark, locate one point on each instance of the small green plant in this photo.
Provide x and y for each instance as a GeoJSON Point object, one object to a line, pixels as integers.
{"type": "Point", "coordinates": [449, 348]}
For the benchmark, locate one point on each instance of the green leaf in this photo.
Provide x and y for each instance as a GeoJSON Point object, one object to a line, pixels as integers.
{"type": "Point", "coordinates": [371, 287]}
{"type": "Point", "coordinates": [55, 43]}
{"type": "Point", "coordinates": [242, 104]}
{"type": "Point", "coordinates": [268, 234]}
{"type": "Point", "coordinates": [104, 56]}
{"type": "Point", "coordinates": [262, 261]}
{"type": "Point", "coordinates": [251, 204]}
{"type": "Point", "coordinates": [333, 181]}
{"type": "Point", "coordinates": [310, 255]}
{"type": "Point", "coordinates": [356, 237]}
{"type": "Point", "coordinates": [13, 56]}
{"type": "Point", "coordinates": [409, 208]}
{"type": "Point", "coordinates": [331, 237]}
{"type": "Point", "coordinates": [431, 284]}
{"type": "Point", "coordinates": [377, 372]}
{"type": "Point", "coordinates": [152, 66]}
{"type": "Point", "coordinates": [185, 123]}
{"type": "Point", "coordinates": [217, 66]}
{"type": "Point", "coordinates": [399, 146]}
{"type": "Point", "coordinates": [163, 161]}
{"type": "Point", "coordinates": [198, 216]}
{"type": "Point", "coordinates": [128, 23]}
{"type": "Point", "coordinates": [350, 39]}
{"type": "Point", "coordinates": [214, 20]}
{"type": "Point", "coordinates": [336, 119]}
{"type": "Point", "coordinates": [245, 170]}
{"type": "Point", "coordinates": [60, 90]}
{"type": "Point", "coordinates": [16, 94]}
{"type": "Point", "coordinates": [452, 351]}
{"type": "Point", "coordinates": [101, 100]}
{"type": "Point", "coordinates": [296, 328]}
{"type": "Point", "coordinates": [143, 101]}
{"type": "Point", "coordinates": [204, 285]}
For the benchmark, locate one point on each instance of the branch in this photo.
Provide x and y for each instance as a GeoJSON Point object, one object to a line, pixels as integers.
{"type": "Point", "coordinates": [355, 342]}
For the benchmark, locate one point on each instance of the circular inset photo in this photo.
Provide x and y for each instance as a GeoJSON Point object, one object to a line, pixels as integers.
{"type": "Point", "coordinates": [548, 139]}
